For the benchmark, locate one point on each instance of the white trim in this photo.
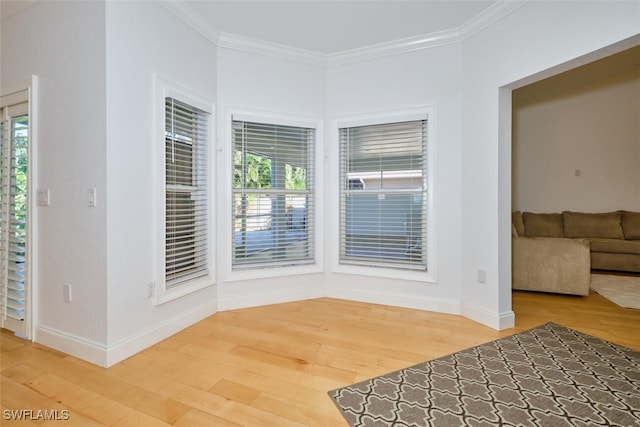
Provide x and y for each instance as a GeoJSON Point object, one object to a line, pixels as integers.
{"type": "Point", "coordinates": [257, 299]}
{"type": "Point", "coordinates": [79, 347]}
{"type": "Point", "coordinates": [571, 64]}
{"type": "Point", "coordinates": [493, 13]}
{"type": "Point", "coordinates": [261, 47]}
{"type": "Point", "coordinates": [186, 14]}
{"type": "Point", "coordinates": [439, 305]}
{"type": "Point", "coordinates": [428, 112]}
{"type": "Point", "coordinates": [492, 319]}
{"type": "Point", "coordinates": [389, 272]}
{"type": "Point", "coordinates": [270, 118]}
{"type": "Point", "coordinates": [106, 356]}
{"type": "Point", "coordinates": [15, 88]}
{"type": "Point", "coordinates": [377, 117]}
{"type": "Point", "coordinates": [165, 88]}
{"type": "Point", "coordinates": [151, 336]}
{"type": "Point", "coordinates": [10, 94]}
{"type": "Point", "coordinates": [395, 47]}
{"type": "Point", "coordinates": [225, 195]}
{"type": "Point", "coordinates": [32, 291]}
{"type": "Point", "coordinates": [263, 272]}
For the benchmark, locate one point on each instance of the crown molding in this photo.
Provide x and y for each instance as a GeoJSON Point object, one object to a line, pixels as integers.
{"type": "Point", "coordinates": [261, 47]}
{"type": "Point", "coordinates": [394, 47]}
{"type": "Point", "coordinates": [186, 14]}
{"type": "Point", "coordinates": [493, 13]}
{"type": "Point", "coordinates": [490, 15]}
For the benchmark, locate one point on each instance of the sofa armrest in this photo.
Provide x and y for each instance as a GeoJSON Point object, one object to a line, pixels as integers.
{"type": "Point", "coordinates": [551, 264]}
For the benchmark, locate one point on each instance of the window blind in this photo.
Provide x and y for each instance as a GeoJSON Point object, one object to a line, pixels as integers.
{"type": "Point", "coordinates": [186, 195]}
{"type": "Point", "coordinates": [14, 211]}
{"type": "Point", "coordinates": [273, 204]}
{"type": "Point", "coordinates": [383, 195]}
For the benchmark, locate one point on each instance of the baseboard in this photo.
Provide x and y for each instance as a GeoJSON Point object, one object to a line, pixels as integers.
{"type": "Point", "coordinates": [106, 356]}
{"type": "Point", "coordinates": [498, 321]}
{"type": "Point", "coordinates": [134, 344]}
{"type": "Point", "coordinates": [257, 299]}
{"type": "Point", "coordinates": [440, 305]}
{"type": "Point", "coordinates": [79, 347]}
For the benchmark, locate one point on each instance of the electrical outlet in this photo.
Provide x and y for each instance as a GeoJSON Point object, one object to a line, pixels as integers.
{"type": "Point", "coordinates": [482, 276]}
{"type": "Point", "coordinates": [151, 289]}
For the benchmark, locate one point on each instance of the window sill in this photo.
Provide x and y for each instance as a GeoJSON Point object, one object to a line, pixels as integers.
{"type": "Point", "coordinates": [383, 271]}
{"type": "Point", "coordinates": [268, 271]}
{"type": "Point", "coordinates": [166, 295]}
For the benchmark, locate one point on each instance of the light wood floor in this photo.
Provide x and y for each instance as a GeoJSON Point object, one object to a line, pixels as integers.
{"type": "Point", "coordinates": [270, 366]}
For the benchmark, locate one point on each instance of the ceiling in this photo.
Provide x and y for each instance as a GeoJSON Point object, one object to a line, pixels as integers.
{"type": "Point", "coordinates": [329, 27]}
{"type": "Point", "coordinates": [322, 27]}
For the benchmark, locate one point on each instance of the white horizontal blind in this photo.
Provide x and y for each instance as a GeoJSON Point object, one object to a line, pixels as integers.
{"type": "Point", "coordinates": [383, 186]}
{"type": "Point", "coordinates": [186, 180]}
{"type": "Point", "coordinates": [273, 204]}
{"type": "Point", "coordinates": [14, 211]}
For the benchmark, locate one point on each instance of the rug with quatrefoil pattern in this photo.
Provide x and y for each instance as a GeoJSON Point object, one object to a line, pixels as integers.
{"type": "Point", "coordinates": [547, 376]}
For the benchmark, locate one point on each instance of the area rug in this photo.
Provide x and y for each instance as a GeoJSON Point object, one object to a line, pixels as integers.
{"type": "Point", "coordinates": [622, 290]}
{"type": "Point", "coordinates": [548, 376]}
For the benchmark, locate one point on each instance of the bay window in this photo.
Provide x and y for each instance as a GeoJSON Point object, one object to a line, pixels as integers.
{"type": "Point", "coordinates": [383, 195]}
{"type": "Point", "coordinates": [185, 227]}
{"type": "Point", "coordinates": [273, 195]}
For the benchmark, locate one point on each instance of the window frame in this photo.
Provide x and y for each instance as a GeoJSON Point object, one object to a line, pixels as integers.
{"type": "Point", "coordinates": [385, 269]}
{"type": "Point", "coordinates": [161, 292]}
{"type": "Point", "coordinates": [267, 270]}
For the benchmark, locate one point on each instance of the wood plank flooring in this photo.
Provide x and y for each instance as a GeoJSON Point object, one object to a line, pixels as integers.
{"type": "Point", "coordinates": [269, 366]}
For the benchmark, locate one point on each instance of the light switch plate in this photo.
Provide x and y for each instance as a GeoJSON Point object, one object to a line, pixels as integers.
{"type": "Point", "coordinates": [93, 197]}
{"type": "Point", "coordinates": [43, 197]}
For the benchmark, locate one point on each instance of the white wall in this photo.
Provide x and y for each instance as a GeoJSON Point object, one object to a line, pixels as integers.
{"type": "Point", "coordinates": [580, 150]}
{"type": "Point", "coordinates": [532, 39]}
{"type": "Point", "coordinates": [281, 89]}
{"type": "Point", "coordinates": [143, 41]}
{"type": "Point", "coordinates": [63, 45]}
{"type": "Point", "coordinates": [96, 66]}
{"type": "Point", "coordinates": [96, 63]}
{"type": "Point", "coordinates": [429, 78]}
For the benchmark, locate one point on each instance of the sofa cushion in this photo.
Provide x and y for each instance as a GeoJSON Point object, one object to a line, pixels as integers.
{"type": "Point", "coordinates": [516, 221]}
{"type": "Point", "coordinates": [631, 225]}
{"type": "Point", "coordinates": [604, 225]}
{"type": "Point", "coordinates": [615, 246]}
{"type": "Point", "coordinates": [616, 262]}
{"type": "Point", "coordinates": [542, 224]}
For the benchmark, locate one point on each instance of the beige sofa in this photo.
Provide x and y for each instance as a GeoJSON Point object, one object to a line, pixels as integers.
{"type": "Point", "coordinates": [555, 252]}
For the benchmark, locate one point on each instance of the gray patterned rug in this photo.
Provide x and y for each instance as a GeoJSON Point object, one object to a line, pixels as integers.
{"type": "Point", "coordinates": [547, 376]}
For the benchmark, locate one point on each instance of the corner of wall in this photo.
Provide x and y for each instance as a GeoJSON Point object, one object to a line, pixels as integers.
{"type": "Point", "coordinates": [108, 355]}
{"type": "Point", "coordinates": [495, 320]}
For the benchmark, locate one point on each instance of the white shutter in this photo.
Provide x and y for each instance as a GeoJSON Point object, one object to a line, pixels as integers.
{"type": "Point", "coordinates": [273, 204]}
{"type": "Point", "coordinates": [14, 211]}
{"type": "Point", "coordinates": [383, 195]}
{"type": "Point", "coordinates": [186, 201]}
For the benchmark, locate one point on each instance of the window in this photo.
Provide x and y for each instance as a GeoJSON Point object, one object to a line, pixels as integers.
{"type": "Point", "coordinates": [14, 210]}
{"type": "Point", "coordinates": [383, 196]}
{"type": "Point", "coordinates": [186, 233]}
{"type": "Point", "coordinates": [273, 195]}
